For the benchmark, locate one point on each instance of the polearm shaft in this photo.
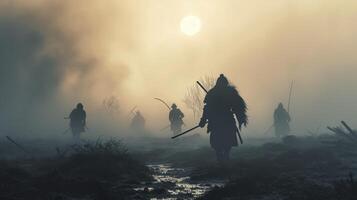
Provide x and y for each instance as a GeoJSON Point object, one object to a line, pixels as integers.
{"type": "Point", "coordinates": [185, 132]}
{"type": "Point", "coordinates": [15, 143]}
{"type": "Point", "coordinates": [268, 130]}
{"type": "Point", "coordinates": [239, 136]}
{"type": "Point", "coordinates": [291, 89]}
{"type": "Point", "coordinates": [203, 88]}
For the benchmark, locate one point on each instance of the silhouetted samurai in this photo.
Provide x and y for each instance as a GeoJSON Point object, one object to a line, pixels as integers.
{"type": "Point", "coordinates": [281, 121]}
{"type": "Point", "coordinates": [175, 117]}
{"type": "Point", "coordinates": [77, 121]}
{"type": "Point", "coordinates": [222, 103]}
{"type": "Point", "coordinates": [138, 122]}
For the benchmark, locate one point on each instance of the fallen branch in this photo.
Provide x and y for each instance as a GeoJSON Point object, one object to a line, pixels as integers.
{"type": "Point", "coordinates": [16, 144]}
{"type": "Point", "coordinates": [348, 128]}
{"type": "Point", "coordinates": [350, 135]}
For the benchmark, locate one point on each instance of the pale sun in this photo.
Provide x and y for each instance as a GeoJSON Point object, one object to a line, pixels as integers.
{"type": "Point", "coordinates": [190, 25]}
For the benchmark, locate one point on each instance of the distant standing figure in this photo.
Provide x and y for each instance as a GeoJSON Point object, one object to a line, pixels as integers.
{"type": "Point", "coordinates": [222, 103]}
{"type": "Point", "coordinates": [78, 121]}
{"type": "Point", "coordinates": [175, 117]}
{"type": "Point", "coordinates": [138, 122]}
{"type": "Point", "coordinates": [281, 121]}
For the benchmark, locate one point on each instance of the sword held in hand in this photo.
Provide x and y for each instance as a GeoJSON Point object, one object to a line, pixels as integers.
{"type": "Point", "coordinates": [185, 132]}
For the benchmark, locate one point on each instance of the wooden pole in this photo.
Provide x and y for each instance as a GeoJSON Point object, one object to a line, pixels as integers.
{"type": "Point", "coordinates": [291, 89]}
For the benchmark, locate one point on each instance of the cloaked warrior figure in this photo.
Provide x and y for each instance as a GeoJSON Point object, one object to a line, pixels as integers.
{"type": "Point", "coordinates": [281, 121]}
{"type": "Point", "coordinates": [77, 121]}
{"type": "Point", "coordinates": [175, 117]}
{"type": "Point", "coordinates": [222, 103]}
{"type": "Point", "coordinates": [138, 122]}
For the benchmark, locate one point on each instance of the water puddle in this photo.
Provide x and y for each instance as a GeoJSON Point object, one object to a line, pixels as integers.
{"type": "Point", "coordinates": [174, 183]}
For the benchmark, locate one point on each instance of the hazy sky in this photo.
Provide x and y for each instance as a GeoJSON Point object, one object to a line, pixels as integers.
{"type": "Point", "coordinates": [56, 53]}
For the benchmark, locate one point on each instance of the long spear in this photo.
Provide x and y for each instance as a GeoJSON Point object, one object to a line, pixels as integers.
{"type": "Point", "coordinates": [291, 89]}
{"type": "Point", "coordinates": [203, 88]}
{"type": "Point", "coordinates": [16, 144]}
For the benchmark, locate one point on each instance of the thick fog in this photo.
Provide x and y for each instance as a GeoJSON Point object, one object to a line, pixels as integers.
{"type": "Point", "coordinates": [54, 54]}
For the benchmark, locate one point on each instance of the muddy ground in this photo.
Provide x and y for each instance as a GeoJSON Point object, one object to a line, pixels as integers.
{"type": "Point", "coordinates": [320, 167]}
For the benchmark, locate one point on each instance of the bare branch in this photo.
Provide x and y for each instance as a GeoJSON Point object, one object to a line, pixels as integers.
{"type": "Point", "coordinates": [111, 105]}
{"type": "Point", "coordinates": [194, 96]}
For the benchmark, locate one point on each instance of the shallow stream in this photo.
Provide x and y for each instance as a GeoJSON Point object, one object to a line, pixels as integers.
{"type": "Point", "coordinates": [172, 183]}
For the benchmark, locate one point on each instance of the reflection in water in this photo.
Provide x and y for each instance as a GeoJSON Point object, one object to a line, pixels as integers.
{"type": "Point", "coordinates": [176, 183]}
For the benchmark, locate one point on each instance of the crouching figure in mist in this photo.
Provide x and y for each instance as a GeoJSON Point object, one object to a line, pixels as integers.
{"type": "Point", "coordinates": [222, 103]}
{"type": "Point", "coordinates": [77, 122]}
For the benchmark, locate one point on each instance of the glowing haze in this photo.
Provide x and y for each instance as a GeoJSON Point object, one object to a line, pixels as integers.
{"type": "Point", "coordinates": [56, 53]}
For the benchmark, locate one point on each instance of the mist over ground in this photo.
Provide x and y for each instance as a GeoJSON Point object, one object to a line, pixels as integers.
{"type": "Point", "coordinates": [54, 54]}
